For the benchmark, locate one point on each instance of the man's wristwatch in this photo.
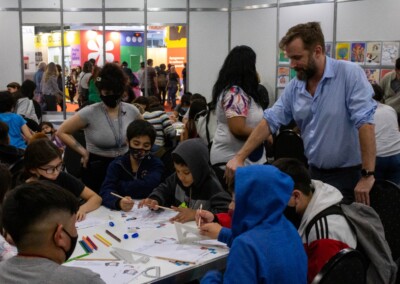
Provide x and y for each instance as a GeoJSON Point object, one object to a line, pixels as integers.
{"type": "Point", "coordinates": [367, 173]}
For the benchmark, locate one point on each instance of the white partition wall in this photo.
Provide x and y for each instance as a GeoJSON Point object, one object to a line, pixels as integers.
{"type": "Point", "coordinates": [257, 29]}
{"type": "Point", "coordinates": [208, 41]}
{"type": "Point", "coordinates": [10, 51]}
{"type": "Point", "coordinates": [213, 27]}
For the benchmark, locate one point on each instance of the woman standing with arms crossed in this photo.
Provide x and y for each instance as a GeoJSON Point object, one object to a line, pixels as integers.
{"type": "Point", "coordinates": [238, 108]}
{"type": "Point", "coordinates": [104, 125]}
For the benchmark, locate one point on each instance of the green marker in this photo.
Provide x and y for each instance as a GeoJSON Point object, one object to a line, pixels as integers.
{"type": "Point", "coordinates": [77, 257]}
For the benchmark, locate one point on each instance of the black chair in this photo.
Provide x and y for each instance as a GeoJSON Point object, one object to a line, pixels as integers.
{"type": "Point", "coordinates": [72, 159]}
{"type": "Point", "coordinates": [347, 267]}
{"type": "Point", "coordinates": [385, 199]}
{"type": "Point", "coordinates": [288, 144]}
{"type": "Point", "coordinates": [169, 167]}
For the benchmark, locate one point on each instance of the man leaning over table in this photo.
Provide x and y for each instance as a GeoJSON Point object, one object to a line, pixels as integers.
{"type": "Point", "coordinates": [331, 102]}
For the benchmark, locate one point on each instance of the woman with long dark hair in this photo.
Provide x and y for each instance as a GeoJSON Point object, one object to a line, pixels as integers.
{"type": "Point", "coordinates": [237, 105]}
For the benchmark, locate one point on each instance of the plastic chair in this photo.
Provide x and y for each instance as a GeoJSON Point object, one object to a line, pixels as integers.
{"type": "Point", "coordinates": [288, 144]}
{"type": "Point", "coordinates": [385, 199]}
{"type": "Point", "coordinates": [347, 267]}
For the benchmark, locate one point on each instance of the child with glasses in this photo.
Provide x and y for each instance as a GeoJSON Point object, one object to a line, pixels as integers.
{"type": "Point", "coordinates": [43, 162]}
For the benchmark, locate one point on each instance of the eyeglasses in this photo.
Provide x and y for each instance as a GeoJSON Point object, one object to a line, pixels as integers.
{"type": "Point", "coordinates": [52, 170]}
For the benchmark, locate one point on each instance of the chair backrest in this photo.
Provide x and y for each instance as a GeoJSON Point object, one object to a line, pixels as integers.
{"type": "Point", "coordinates": [288, 144]}
{"type": "Point", "coordinates": [72, 159]}
{"type": "Point", "coordinates": [347, 267]}
{"type": "Point", "coordinates": [169, 167]}
{"type": "Point", "coordinates": [385, 199]}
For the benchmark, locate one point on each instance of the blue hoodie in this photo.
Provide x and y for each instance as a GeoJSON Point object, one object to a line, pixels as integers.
{"type": "Point", "coordinates": [266, 248]}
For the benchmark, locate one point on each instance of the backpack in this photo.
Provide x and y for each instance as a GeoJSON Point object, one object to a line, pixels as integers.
{"type": "Point", "coordinates": [206, 125]}
{"type": "Point", "coordinates": [370, 239]}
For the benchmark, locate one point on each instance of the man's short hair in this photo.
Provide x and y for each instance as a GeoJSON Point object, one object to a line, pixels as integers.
{"type": "Point", "coordinates": [14, 85]}
{"type": "Point", "coordinates": [310, 33]}
{"type": "Point", "coordinates": [31, 203]}
{"type": "Point", "coordinates": [298, 172]}
{"type": "Point", "coordinates": [141, 127]}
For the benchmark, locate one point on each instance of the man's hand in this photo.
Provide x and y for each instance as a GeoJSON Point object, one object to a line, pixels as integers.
{"type": "Point", "coordinates": [211, 230]}
{"type": "Point", "coordinates": [363, 187]}
{"type": "Point", "coordinates": [184, 215]}
{"type": "Point", "coordinates": [151, 203]}
{"type": "Point", "coordinates": [126, 203]}
{"type": "Point", "coordinates": [231, 167]}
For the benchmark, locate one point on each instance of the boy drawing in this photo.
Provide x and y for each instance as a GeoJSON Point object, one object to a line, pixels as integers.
{"type": "Point", "coordinates": [135, 174]}
{"type": "Point", "coordinates": [193, 184]}
{"type": "Point", "coordinates": [265, 246]}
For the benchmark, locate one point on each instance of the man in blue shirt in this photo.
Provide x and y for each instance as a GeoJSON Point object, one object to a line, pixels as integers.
{"type": "Point", "coordinates": [331, 102]}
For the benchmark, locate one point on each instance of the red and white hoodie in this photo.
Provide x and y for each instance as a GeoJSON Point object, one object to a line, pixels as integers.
{"type": "Point", "coordinates": [330, 234]}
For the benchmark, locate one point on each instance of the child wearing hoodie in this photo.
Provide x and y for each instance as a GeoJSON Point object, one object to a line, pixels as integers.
{"type": "Point", "coordinates": [266, 243]}
{"type": "Point", "coordinates": [194, 185]}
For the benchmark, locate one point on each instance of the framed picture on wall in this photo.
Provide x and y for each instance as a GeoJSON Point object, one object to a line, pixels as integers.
{"type": "Point", "coordinates": [282, 57]}
{"type": "Point", "coordinates": [283, 77]}
{"type": "Point", "coordinates": [373, 75]}
{"type": "Point", "coordinates": [374, 50]}
{"type": "Point", "coordinates": [328, 49]}
{"type": "Point", "coordinates": [358, 52]}
{"type": "Point", "coordinates": [343, 51]}
{"type": "Point", "coordinates": [390, 52]}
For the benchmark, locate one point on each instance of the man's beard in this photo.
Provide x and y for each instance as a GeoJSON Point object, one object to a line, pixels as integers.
{"type": "Point", "coordinates": [304, 74]}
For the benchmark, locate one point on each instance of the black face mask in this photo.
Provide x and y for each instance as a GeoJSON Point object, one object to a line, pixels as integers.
{"type": "Point", "coordinates": [138, 153]}
{"type": "Point", "coordinates": [73, 241]}
{"type": "Point", "coordinates": [111, 100]}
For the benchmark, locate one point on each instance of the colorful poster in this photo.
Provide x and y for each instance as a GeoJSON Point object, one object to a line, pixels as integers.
{"type": "Point", "coordinates": [372, 75]}
{"type": "Point", "coordinates": [282, 57]}
{"type": "Point", "coordinates": [283, 77]}
{"type": "Point", "coordinates": [328, 49]}
{"type": "Point", "coordinates": [358, 52]}
{"type": "Point", "coordinates": [385, 71]}
{"type": "Point", "coordinates": [373, 53]}
{"type": "Point", "coordinates": [132, 39]}
{"type": "Point", "coordinates": [92, 46]}
{"type": "Point", "coordinates": [177, 57]}
{"type": "Point", "coordinates": [75, 55]}
{"type": "Point", "coordinates": [342, 51]}
{"type": "Point", "coordinates": [390, 52]}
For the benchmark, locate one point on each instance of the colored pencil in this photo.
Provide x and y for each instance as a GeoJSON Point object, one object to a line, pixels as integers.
{"type": "Point", "coordinates": [175, 260]}
{"type": "Point", "coordinates": [85, 247]}
{"type": "Point", "coordinates": [78, 257]}
{"type": "Point", "coordinates": [92, 243]}
{"type": "Point", "coordinates": [88, 243]}
{"type": "Point", "coordinates": [113, 236]}
{"type": "Point", "coordinates": [103, 242]}
{"type": "Point", "coordinates": [199, 223]}
{"type": "Point", "coordinates": [117, 195]}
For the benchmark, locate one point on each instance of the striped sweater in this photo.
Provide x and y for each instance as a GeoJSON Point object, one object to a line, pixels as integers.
{"type": "Point", "coordinates": [160, 120]}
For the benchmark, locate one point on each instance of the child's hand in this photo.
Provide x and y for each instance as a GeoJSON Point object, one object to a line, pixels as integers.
{"type": "Point", "coordinates": [184, 215]}
{"type": "Point", "coordinates": [203, 217]}
{"type": "Point", "coordinates": [210, 230]}
{"type": "Point", "coordinates": [151, 203]}
{"type": "Point", "coordinates": [126, 203]}
{"type": "Point", "coordinates": [80, 215]}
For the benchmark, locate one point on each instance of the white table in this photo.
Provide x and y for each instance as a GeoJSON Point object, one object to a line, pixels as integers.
{"type": "Point", "coordinates": [169, 271]}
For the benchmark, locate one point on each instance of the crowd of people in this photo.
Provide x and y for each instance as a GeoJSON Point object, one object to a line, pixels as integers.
{"type": "Point", "coordinates": [223, 183]}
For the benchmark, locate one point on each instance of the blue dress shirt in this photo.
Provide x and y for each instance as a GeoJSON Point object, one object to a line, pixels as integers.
{"type": "Point", "coordinates": [329, 120]}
